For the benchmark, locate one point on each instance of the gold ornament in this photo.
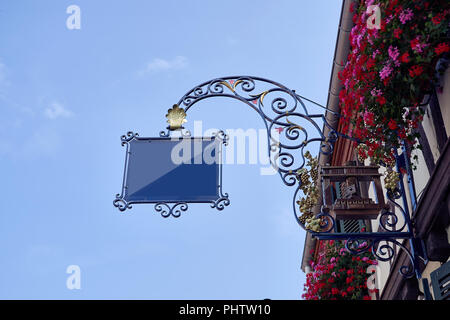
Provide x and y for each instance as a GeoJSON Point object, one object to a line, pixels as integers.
{"type": "Point", "coordinates": [308, 179]}
{"type": "Point", "coordinates": [176, 117]}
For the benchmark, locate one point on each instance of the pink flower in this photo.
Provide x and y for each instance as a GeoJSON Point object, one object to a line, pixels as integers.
{"type": "Point", "coordinates": [369, 118]}
{"type": "Point", "coordinates": [389, 19]}
{"type": "Point", "coordinates": [359, 38]}
{"type": "Point", "coordinates": [385, 72]}
{"type": "Point", "coordinates": [362, 245]}
{"type": "Point", "coordinates": [393, 54]}
{"type": "Point", "coordinates": [376, 92]}
{"type": "Point", "coordinates": [375, 53]}
{"type": "Point", "coordinates": [417, 46]}
{"type": "Point", "coordinates": [361, 99]}
{"type": "Point", "coordinates": [406, 15]}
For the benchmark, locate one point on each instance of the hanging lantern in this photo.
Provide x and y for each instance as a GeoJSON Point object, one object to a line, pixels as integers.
{"type": "Point", "coordinates": [345, 191]}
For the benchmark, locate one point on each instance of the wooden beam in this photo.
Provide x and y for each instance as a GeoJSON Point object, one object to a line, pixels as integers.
{"type": "Point", "coordinates": [438, 121]}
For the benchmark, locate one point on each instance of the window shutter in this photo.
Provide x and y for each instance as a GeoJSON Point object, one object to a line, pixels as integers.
{"type": "Point", "coordinates": [347, 226]}
{"type": "Point", "coordinates": [351, 226]}
{"type": "Point", "coordinates": [440, 280]}
{"type": "Point", "coordinates": [338, 190]}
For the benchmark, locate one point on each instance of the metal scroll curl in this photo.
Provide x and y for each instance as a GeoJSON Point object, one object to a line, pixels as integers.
{"type": "Point", "coordinates": [175, 211]}
{"type": "Point", "coordinates": [383, 250]}
{"type": "Point", "coordinates": [221, 203]}
{"type": "Point", "coordinates": [121, 203]}
{"type": "Point", "coordinates": [389, 220]}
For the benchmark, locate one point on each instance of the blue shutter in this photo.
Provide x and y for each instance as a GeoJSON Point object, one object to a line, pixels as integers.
{"type": "Point", "coordinates": [440, 280]}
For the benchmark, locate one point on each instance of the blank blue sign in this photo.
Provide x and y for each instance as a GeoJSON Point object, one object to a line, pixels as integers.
{"type": "Point", "coordinates": [168, 170]}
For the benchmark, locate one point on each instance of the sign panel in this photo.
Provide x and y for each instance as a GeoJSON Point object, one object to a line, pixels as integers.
{"type": "Point", "coordinates": [171, 170]}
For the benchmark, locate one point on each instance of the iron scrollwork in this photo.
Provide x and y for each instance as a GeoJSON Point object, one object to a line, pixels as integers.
{"type": "Point", "coordinates": [383, 249]}
{"type": "Point", "coordinates": [166, 210]}
{"type": "Point", "coordinates": [286, 112]}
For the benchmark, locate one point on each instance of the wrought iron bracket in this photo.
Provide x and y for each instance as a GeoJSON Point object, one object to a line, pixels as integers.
{"type": "Point", "coordinates": [286, 110]}
{"type": "Point", "coordinates": [283, 109]}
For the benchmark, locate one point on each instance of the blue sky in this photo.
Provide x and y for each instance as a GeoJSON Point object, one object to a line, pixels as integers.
{"type": "Point", "coordinates": [66, 97]}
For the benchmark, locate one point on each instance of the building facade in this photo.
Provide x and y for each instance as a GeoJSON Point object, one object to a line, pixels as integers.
{"type": "Point", "coordinates": [428, 199]}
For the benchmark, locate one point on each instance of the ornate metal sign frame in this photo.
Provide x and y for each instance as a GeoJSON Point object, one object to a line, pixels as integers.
{"type": "Point", "coordinates": [170, 208]}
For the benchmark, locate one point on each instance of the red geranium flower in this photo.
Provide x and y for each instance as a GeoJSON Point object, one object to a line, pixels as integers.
{"type": "Point", "coordinates": [442, 48]}
{"type": "Point", "coordinates": [392, 124]}
{"type": "Point", "coordinates": [370, 63]}
{"type": "Point", "coordinates": [414, 43]}
{"type": "Point", "coordinates": [381, 100]}
{"type": "Point", "coordinates": [397, 33]}
{"type": "Point", "coordinates": [404, 57]}
{"type": "Point", "coordinates": [415, 71]}
{"type": "Point", "coordinates": [437, 19]}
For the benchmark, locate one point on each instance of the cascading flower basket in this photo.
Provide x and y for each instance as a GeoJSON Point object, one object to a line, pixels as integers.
{"type": "Point", "coordinates": [390, 68]}
{"type": "Point", "coordinates": [339, 275]}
